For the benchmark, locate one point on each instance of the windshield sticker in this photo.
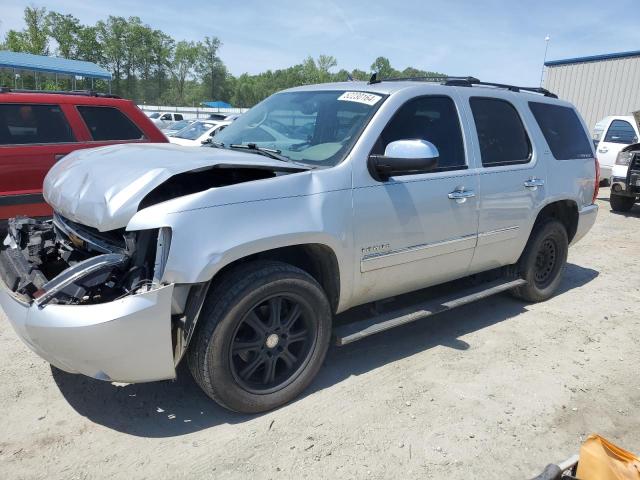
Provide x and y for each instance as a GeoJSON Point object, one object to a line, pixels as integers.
{"type": "Point", "coordinates": [360, 97]}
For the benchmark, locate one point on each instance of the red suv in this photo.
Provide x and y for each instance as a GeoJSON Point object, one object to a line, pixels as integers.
{"type": "Point", "coordinates": [39, 128]}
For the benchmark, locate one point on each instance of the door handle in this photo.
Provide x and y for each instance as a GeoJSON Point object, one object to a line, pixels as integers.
{"type": "Point", "coordinates": [534, 183]}
{"type": "Point", "coordinates": [603, 150]}
{"type": "Point", "coordinates": [461, 195]}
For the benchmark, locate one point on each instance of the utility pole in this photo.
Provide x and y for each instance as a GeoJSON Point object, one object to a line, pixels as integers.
{"type": "Point", "coordinates": [546, 49]}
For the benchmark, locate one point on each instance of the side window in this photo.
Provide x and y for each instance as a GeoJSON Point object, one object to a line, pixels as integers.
{"type": "Point", "coordinates": [503, 139]}
{"type": "Point", "coordinates": [621, 131]}
{"type": "Point", "coordinates": [22, 124]}
{"type": "Point", "coordinates": [177, 117]}
{"type": "Point", "coordinates": [563, 131]}
{"type": "Point", "coordinates": [108, 123]}
{"type": "Point", "coordinates": [431, 118]}
{"type": "Point", "coordinates": [166, 116]}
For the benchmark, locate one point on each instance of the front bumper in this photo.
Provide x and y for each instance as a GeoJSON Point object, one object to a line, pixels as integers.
{"type": "Point", "coordinates": [126, 340]}
{"type": "Point", "coordinates": [586, 219]}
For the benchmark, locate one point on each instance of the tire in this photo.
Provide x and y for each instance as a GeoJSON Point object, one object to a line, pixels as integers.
{"type": "Point", "coordinates": [621, 203]}
{"type": "Point", "coordinates": [543, 261]}
{"type": "Point", "coordinates": [261, 338]}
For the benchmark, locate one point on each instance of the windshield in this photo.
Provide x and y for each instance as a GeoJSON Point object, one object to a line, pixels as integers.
{"type": "Point", "coordinates": [154, 115]}
{"type": "Point", "coordinates": [313, 127]}
{"type": "Point", "coordinates": [195, 130]}
{"type": "Point", "coordinates": [179, 125]}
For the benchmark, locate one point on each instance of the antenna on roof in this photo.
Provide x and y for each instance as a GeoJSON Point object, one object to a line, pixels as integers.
{"type": "Point", "coordinates": [374, 78]}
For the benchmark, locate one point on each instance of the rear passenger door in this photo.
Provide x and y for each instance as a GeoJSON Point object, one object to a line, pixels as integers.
{"type": "Point", "coordinates": [32, 138]}
{"type": "Point", "coordinates": [512, 177]}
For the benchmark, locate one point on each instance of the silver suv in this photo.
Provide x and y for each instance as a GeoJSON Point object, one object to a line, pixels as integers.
{"type": "Point", "coordinates": [244, 255]}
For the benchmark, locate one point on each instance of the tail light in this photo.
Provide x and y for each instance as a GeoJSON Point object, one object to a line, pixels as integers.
{"type": "Point", "coordinates": [596, 186]}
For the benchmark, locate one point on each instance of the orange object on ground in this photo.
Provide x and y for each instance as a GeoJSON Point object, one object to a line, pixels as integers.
{"type": "Point", "coordinates": [602, 460]}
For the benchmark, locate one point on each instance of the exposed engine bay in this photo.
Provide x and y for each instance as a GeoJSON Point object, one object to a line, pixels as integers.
{"type": "Point", "coordinates": [61, 262]}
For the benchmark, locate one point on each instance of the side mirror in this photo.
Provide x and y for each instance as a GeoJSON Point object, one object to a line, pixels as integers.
{"type": "Point", "coordinates": [404, 157]}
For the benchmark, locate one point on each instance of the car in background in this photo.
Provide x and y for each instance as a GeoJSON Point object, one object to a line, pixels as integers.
{"type": "Point", "coordinates": [175, 127]}
{"type": "Point", "coordinates": [610, 136]}
{"type": "Point", "coordinates": [197, 133]}
{"type": "Point", "coordinates": [162, 119]}
{"type": "Point", "coordinates": [39, 128]}
{"type": "Point", "coordinates": [625, 181]}
{"type": "Point", "coordinates": [218, 117]}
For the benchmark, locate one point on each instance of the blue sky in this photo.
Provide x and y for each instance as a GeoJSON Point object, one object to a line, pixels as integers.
{"type": "Point", "coordinates": [494, 40]}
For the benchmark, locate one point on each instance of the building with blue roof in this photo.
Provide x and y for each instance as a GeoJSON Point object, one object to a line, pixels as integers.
{"type": "Point", "coordinates": [598, 85]}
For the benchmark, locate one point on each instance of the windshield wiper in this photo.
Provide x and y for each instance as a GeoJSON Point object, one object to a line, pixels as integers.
{"type": "Point", "coordinates": [267, 152]}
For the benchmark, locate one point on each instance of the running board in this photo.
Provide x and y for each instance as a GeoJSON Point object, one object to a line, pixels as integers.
{"type": "Point", "coordinates": [352, 332]}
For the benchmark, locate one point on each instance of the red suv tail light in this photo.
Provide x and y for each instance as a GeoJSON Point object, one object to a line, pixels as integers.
{"type": "Point", "coordinates": [596, 187]}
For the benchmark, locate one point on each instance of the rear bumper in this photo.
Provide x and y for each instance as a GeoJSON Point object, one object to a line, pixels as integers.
{"type": "Point", "coordinates": [127, 340]}
{"type": "Point", "coordinates": [586, 219]}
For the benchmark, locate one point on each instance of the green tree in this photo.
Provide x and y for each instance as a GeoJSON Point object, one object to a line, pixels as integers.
{"type": "Point", "coordinates": [65, 30]}
{"type": "Point", "coordinates": [89, 47]}
{"type": "Point", "coordinates": [35, 36]}
{"type": "Point", "coordinates": [184, 59]}
{"type": "Point", "coordinates": [382, 67]}
{"type": "Point", "coordinates": [112, 36]}
{"type": "Point", "coordinates": [210, 67]}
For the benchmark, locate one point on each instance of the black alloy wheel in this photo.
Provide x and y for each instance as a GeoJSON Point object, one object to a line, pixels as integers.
{"type": "Point", "coordinates": [272, 343]}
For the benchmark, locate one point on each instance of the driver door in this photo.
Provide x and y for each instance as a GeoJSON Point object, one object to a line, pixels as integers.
{"type": "Point", "coordinates": [417, 230]}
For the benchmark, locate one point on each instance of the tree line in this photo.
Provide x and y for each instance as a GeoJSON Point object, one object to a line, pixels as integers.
{"type": "Point", "coordinates": [151, 67]}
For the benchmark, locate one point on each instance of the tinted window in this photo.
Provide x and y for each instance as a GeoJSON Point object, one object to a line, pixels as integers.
{"type": "Point", "coordinates": [434, 119]}
{"type": "Point", "coordinates": [503, 139]}
{"type": "Point", "coordinates": [23, 124]}
{"type": "Point", "coordinates": [107, 123]}
{"type": "Point", "coordinates": [563, 131]}
{"type": "Point", "coordinates": [621, 131]}
{"type": "Point", "coordinates": [177, 116]}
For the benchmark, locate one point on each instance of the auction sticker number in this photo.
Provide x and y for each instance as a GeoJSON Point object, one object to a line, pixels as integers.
{"type": "Point", "coordinates": [360, 97]}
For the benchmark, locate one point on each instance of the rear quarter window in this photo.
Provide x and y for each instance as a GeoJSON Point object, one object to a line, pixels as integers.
{"type": "Point", "coordinates": [24, 124]}
{"type": "Point", "coordinates": [562, 130]}
{"type": "Point", "coordinates": [108, 123]}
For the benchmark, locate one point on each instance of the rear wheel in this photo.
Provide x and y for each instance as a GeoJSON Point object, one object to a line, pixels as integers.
{"type": "Point", "coordinates": [262, 336]}
{"type": "Point", "coordinates": [543, 260]}
{"type": "Point", "coordinates": [621, 203]}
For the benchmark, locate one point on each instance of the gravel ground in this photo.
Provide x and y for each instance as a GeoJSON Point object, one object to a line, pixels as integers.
{"type": "Point", "coordinates": [497, 389]}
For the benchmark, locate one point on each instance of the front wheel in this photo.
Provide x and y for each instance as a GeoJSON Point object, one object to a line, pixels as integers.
{"type": "Point", "coordinates": [542, 262]}
{"type": "Point", "coordinates": [262, 336]}
{"type": "Point", "coordinates": [621, 203]}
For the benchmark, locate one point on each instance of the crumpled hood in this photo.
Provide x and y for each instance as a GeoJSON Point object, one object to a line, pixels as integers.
{"type": "Point", "coordinates": [102, 187]}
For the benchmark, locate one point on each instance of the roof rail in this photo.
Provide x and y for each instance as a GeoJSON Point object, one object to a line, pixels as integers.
{"type": "Point", "coordinates": [464, 82]}
{"type": "Point", "coordinates": [86, 93]}
{"type": "Point", "coordinates": [445, 79]}
{"type": "Point", "coordinates": [514, 88]}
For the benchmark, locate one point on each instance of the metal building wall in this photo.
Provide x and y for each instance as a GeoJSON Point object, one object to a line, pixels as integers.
{"type": "Point", "coordinates": [599, 88]}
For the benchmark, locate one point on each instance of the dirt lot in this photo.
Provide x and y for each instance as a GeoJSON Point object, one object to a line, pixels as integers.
{"type": "Point", "coordinates": [493, 390]}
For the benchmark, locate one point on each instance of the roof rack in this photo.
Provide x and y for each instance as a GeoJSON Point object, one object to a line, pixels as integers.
{"type": "Point", "coordinates": [86, 93]}
{"type": "Point", "coordinates": [464, 82]}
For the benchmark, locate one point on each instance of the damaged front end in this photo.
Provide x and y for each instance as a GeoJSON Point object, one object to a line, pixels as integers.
{"type": "Point", "coordinates": [93, 302]}
{"type": "Point", "coordinates": [60, 262]}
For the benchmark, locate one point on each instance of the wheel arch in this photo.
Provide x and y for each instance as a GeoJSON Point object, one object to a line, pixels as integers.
{"type": "Point", "coordinates": [565, 211]}
{"type": "Point", "coordinates": [318, 260]}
